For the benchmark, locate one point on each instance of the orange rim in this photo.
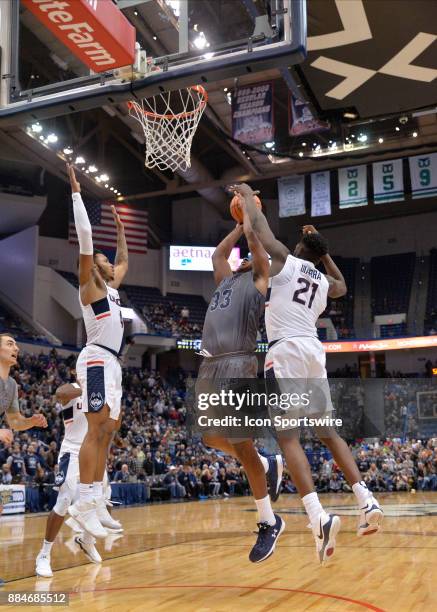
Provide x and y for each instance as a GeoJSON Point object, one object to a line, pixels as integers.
{"type": "Point", "coordinates": [198, 88]}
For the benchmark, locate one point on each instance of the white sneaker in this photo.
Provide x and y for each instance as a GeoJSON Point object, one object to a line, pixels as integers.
{"type": "Point", "coordinates": [85, 513]}
{"type": "Point", "coordinates": [371, 516]}
{"type": "Point", "coordinates": [104, 517]}
{"type": "Point", "coordinates": [89, 548]}
{"type": "Point", "coordinates": [73, 524]}
{"type": "Point", "coordinates": [325, 531]}
{"type": "Point", "coordinates": [43, 567]}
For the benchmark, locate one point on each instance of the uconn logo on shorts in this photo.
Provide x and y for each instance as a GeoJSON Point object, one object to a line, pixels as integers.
{"type": "Point", "coordinates": [96, 401]}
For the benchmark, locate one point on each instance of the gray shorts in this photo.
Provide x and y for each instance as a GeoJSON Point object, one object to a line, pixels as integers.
{"type": "Point", "coordinates": [223, 372]}
{"type": "Point", "coordinates": [229, 366]}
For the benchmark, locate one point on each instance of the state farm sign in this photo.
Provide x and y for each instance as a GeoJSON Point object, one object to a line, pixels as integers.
{"type": "Point", "coordinates": [96, 31]}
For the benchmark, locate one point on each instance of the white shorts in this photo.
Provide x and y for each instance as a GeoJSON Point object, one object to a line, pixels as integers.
{"type": "Point", "coordinates": [99, 375]}
{"type": "Point", "coordinates": [296, 368]}
{"type": "Point", "coordinates": [68, 477]}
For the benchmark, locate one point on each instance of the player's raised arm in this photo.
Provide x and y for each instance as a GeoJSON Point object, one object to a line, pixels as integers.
{"type": "Point", "coordinates": [83, 230]}
{"type": "Point", "coordinates": [337, 284]}
{"type": "Point", "coordinates": [65, 393]}
{"type": "Point", "coordinates": [274, 247]}
{"type": "Point", "coordinates": [220, 257]}
{"type": "Point", "coordinates": [260, 259]}
{"type": "Point", "coordinates": [121, 263]}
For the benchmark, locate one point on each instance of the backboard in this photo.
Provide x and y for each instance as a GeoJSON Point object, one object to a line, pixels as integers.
{"type": "Point", "coordinates": [187, 42]}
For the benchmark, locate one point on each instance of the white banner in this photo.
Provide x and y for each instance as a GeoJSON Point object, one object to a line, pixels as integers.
{"type": "Point", "coordinates": [352, 185]}
{"type": "Point", "coordinates": [291, 191]}
{"type": "Point", "coordinates": [388, 181]}
{"type": "Point", "coordinates": [320, 194]}
{"type": "Point", "coordinates": [13, 498]}
{"type": "Point", "coordinates": [198, 258]}
{"type": "Point", "coordinates": [423, 170]}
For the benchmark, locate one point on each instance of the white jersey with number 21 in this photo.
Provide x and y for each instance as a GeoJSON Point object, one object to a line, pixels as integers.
{"type": "Point", "coordinates": [296, 298]}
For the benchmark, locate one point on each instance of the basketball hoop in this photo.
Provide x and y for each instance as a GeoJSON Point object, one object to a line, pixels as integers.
{"type": "Point", "coordinates": [168, 133]}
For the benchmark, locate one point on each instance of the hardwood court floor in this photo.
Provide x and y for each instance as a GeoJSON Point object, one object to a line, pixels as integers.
{"type": "Point", "coordinates": [193, 557]}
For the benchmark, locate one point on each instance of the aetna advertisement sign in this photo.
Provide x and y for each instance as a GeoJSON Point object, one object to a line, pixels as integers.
{"type": "Point", "coordinates": [95, 31]}
{"type": "Point", "coordinates": [198, 258]}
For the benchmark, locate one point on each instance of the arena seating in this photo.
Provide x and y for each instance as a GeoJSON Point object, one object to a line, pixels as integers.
{"type": "Point", "coordinates": [13, 324]}
{"type": "Point", "coordinates": [341, 311]}
{"type": "Point", "coordinates": [431, 302]}
{"type": "Point", "coordinates": [391, 280]}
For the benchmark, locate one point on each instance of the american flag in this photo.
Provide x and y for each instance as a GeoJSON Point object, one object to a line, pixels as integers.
{"type": "Point", "coordinates": [134, 219]}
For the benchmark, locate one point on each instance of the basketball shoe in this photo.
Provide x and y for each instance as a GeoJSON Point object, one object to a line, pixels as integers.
{"type": "Point", "coordinates": [85, 513]}
{"type": "Point", "coordinates": [104, 517]}
{"type": "Point", "coordinates": [87, 544]}
{"type": "Point", "coordinates": [371, 516]}
{"type": "Point", "coordinates": [274, 476]}
{"type": "Point", "coordinates": [43, 566]}
{"type": "Point", "coordinates": [325, 531]}
{"type": "Point", "coordinates": [266, 541]}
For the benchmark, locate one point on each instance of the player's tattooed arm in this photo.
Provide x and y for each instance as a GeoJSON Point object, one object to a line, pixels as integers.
{"type": "Point", "coordinates": [121, 263]}
{"type": "Point", "coordinates": [337, 284]}
{"type": "Point", "coordinates": [277, 251]}
{"type": "Point", "coordinates": [260, 259]}
{"type": "Point", "coordinates": [220, 257]}
{"type": "Point", "coordinates": [66, 393]}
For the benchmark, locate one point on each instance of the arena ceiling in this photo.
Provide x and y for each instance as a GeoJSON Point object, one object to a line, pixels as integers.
{"type": "Point", "coordinates": [371, 66]}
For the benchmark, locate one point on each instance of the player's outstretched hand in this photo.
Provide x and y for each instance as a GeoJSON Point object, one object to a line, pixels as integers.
{"type": "Point", "coordinates": [6, 436]}
{"type": "Point", "coordinates": [118, 221]}
{"type": "Point", "coordinates": [309, 229]}
{"type": "Point", "coordinates": [75, 185]}
{"type": "Point", "coordinates": [39, 420]}
{"type": "Point", "coordinates": [242, 189]}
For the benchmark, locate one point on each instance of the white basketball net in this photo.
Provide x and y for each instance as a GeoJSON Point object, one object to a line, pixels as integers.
{"type": "Point", "coordinates": [168, 135]}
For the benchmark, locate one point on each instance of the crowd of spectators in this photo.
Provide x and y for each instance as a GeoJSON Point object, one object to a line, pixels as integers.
{"type": "Point", "coordinates": [167, 319]}
{"type": "Point", "coordinates": [154, 446]}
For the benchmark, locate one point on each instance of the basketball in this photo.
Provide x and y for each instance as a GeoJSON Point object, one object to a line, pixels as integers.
{"type": "Point", "coordinates": [235, 208]}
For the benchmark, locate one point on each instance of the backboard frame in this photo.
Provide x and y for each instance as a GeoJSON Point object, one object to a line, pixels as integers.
{"type": "Point", "coordinates": [96, 90]}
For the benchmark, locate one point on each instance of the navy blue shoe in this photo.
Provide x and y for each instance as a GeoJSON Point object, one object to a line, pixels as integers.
{"type": "Point", "coordinates": [274, 476]}
{"type": "Point", "coordinates": [266, 541]}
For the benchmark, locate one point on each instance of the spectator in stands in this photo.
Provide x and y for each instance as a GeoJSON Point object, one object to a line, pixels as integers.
{"type": "Point", "coordinates": [6, 474]}
{"type": "Point", "coordinates": [123, 474]}
{"type": "Point", "coordinates": [31, 462]}
{"type": "Point", "coordinates": [172, 483]}
{"type": "Point", "coordinates": [335, 483]}
{"type": "Point", "coordinates": [148, 464]}
{"type": "Point", "coordinates": [17, 465]}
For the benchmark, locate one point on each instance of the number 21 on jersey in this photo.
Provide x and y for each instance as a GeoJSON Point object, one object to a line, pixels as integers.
{"type": "Point", "coordinates": [300, 296]}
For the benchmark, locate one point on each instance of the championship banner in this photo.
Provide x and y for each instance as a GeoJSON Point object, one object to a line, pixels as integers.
{"type": "Point", "coordinates": [13, 498]}
{"type": "Point", "coordinates": [320, 194]}
{"type": "Point", "coordinates": [291, 193]}
{"type": "Point", "coordinates": [301, 120]}
{"type": "Point", "coordinates": [352, 186]}
{"type": "Point", "coordinates": [423, 171]}
{"type": "Point", "coordinates": [252, 114]}
{"type": "Point", "coordinates": [95, 31]}
{"type": "Point", "coordinates": [388, 181]}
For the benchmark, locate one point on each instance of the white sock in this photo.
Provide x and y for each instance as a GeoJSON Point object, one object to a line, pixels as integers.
{"type": "Point", "coordinates": [265, 512]}
{"type": "Point", "coordinates": [362, 493]}
{"type": "Point", "coordinates": [86, 492]}
{"type": "Point", "coordinates": [46, 547]}
{"type": "Point", "coordinates": [98, 489]}
{"type": "Point", "coordinates": [313, 507]}
{"type": "Point", "coordinates": [265, 463]}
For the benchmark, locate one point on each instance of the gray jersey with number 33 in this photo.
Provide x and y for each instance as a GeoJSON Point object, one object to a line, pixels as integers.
{"type": "Point", "coordinates": [232, 320]}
